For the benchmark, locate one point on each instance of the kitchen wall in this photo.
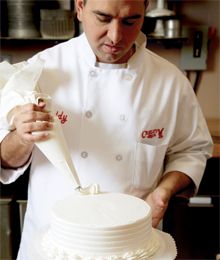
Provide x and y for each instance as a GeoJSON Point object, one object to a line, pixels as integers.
{"type": "Point", "coordinates": [200, 12]}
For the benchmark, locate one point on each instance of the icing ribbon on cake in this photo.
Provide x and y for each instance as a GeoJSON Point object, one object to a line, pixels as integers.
{"type": "Point", "coordinates": [90, 190]}
{"type": "Point", "coordinates": [54, 252]}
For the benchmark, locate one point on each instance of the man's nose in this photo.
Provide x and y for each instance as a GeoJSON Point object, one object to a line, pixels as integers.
{"type": "Point", "coordinates": [115, 32]}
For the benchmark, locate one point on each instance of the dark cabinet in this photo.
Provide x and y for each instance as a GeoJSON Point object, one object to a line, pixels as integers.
{"type": "Point", "coordinates": [195, 226]}
{"type": "Point", "coordinates": [12, 205]}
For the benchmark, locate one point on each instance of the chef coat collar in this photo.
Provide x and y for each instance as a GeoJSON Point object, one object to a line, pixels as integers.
{"type": "Point", "coordinates": [133, 62]}
{"type": "Point", "coordinates": [111, 66]}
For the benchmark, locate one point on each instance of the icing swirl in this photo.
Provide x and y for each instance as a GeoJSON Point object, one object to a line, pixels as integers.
{"type": "Point", "coordinates": [90, 190]}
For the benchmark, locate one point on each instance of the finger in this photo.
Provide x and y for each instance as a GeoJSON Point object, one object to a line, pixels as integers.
{"type": "Point", "coordinates": [30, 138]}
{"type": "Point", "coordinates": [38, 126]}
{"type": "Point", "coordinates": [156, 218]}
{"type": "Point", "coordinates": [30, 133]}
{"type": "Point", "coordinates": [155, 222]}
{"type": "Point", "coordinates": [32, 116]}
{"type": "Point", "coordinates": [41, 107]}
{"type": "Point", "coordinates": [39, 116]}
{"type": "Point", "coordinates": [30, 107]}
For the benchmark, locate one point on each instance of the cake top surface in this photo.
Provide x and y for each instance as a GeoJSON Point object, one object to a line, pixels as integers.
{"type": "Point", "coordinates": [103, 210]}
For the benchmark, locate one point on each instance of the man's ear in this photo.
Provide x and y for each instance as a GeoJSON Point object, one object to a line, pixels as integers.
{"type": "Point", "coordinates": [79, 4]}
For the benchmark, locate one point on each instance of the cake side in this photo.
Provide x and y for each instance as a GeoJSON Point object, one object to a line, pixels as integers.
{"type": "Point", "coordinates": [103, 226]}
{"type": "Point", "coordinates": [55, 252]}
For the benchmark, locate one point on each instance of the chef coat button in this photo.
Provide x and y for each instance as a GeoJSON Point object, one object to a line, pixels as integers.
{"type": "Point", "coordinates": [93, 73]}
{"type": "Point", "coordinates": [118, 157]}
{"type": "Point", "coordinates": [123, 117]}
{"type": "Point", "coordinates": [128, 77]}
{"type": "Point", "coordinates": [84, 154]}
{"type": "Point", "coordinates": [88, 114]}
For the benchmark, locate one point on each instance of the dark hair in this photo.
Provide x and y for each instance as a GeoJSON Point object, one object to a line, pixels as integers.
{"type": "Point", "coordinates": [146, 2]}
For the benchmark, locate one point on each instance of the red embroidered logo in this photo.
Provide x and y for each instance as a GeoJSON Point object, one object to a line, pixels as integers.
{"type": "Point", "coordinates": [152, 133]}
{"type": "Point", "coordinates": [62, 117]}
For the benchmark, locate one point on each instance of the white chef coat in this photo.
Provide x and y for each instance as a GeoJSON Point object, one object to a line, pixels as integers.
{"type": "Point", "coordinates": [125, 126]}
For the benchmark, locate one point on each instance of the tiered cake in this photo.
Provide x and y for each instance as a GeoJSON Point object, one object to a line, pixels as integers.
{"type": "Point", "coordinates": [105, 226]}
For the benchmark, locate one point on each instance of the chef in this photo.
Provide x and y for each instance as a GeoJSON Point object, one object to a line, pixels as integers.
{"type": "Point", "coordinates": [130, 118]}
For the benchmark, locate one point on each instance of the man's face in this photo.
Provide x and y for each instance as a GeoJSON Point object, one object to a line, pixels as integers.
{"type": "Point", "coordinates": [111, 26]}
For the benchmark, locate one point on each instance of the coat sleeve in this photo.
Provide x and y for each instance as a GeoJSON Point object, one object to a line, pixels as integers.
{"type": "Point", "coordinates": [191, 144]}
{"type": "Point", "coordinates": [8, 176]}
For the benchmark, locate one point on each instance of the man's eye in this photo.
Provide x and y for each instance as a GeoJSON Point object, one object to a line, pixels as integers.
{"type": "Point", "coordinates": [103, 19]}
{"type": "Point", "coordinates": [128, 22]}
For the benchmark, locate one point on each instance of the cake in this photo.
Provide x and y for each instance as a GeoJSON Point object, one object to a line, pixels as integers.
{"type": "Point", "coordinates": [104, 226]}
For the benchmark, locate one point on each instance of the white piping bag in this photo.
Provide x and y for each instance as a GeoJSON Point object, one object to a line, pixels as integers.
{"type": "Point", "coordinates": [17, 87]}
{"type": "Point", "coordinates": [55, 148]}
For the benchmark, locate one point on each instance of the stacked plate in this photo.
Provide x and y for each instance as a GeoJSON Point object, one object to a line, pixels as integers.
{"type": "Point", "coordinates": [22, 22]}
{"type": "Point", "coordinates": [57, 24]}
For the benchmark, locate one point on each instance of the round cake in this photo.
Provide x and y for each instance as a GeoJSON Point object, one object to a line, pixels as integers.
{"type": "Point", "coordinates": [104, 226]}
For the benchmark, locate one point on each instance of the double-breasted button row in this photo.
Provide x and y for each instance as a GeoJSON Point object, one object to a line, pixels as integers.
{"type": "Point", "coordinates": [88, 114]}
{"type": "Point", "coordinates": [94, 74]}
{"type": "Point", "coordinates": [123, 117]}
{"type": "Point", "coordinates": [128, 77]}
{"type": "Point", "coordinates": [118, 157]}
{"type": "Point", "coordinates": [84, 154]}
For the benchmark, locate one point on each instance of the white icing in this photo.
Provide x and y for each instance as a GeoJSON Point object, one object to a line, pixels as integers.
{"type": "Point", "coordinates": [90, 190]}
{"type": "Point", "coordinates": [105, 226]}
{"type": "Point", "coordinates": [58, 253]}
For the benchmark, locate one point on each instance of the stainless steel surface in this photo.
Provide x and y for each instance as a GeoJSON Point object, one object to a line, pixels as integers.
{"type": "Point", "coordinates": [5, 229]}
{"type": "Point", "coordinates": [22, 19]}
{"type": "Point", "coordinates": [172, 28]}
{"type": "Point", "coordinates": [57, 24]}
{"type": "Point", "coordinates": [22, 210]}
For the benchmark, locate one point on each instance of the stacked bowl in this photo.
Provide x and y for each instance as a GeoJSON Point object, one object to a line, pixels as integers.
{"type": "Point", "coordinates": [22, 19]}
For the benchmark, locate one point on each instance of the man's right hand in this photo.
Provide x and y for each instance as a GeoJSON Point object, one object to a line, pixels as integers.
{"type": "Point", "coordinates": [31, 123]}
{"type": "Point", "coordinates": [31, 118]}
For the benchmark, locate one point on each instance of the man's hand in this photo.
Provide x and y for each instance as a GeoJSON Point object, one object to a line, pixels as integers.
{"type": "Point", "coordinates": [171, 183]}
{"type": "Point", "coordinates": [17, 146]}
{"type": "Point", "coordinates": [158, 201]}
{"type": "Point", "coordinates": [30, 118]}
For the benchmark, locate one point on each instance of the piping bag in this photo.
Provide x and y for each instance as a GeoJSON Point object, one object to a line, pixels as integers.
{"type": "Point", "coordinates": [55, 148]}
{"type": "Point", "coordinates": [18, 86]}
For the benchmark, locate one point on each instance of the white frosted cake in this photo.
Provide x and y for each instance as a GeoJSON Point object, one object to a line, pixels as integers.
{"type": "Point", "coordinates": [105, 226]}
